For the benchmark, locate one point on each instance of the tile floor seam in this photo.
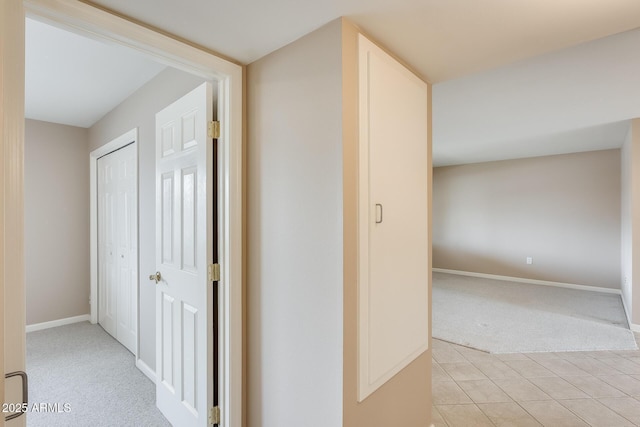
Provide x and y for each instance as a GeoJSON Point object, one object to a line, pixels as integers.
{"type": "Point", "coordinates": [621, 391]}
{"type": "Point", "coordinates": [518, 402]}
{"type": "Point", "coordinates": [618, 387]}
{"type": "Point", "coordinates": [530, 414]}
{"type": "Point", "coordinates": [528, 381]}
{"type": "Point", "coordinates": [492, 382]}
{"type": "Point", "coordinates": [465, 393]}
{"type": "Point", "coordinates": [578, 415]}
{"type": "Point", "coordinates": [520, 406]}
{"type": "Point", "coordinates": [635, 424]}
{"type": "Point", "coordinates": [567, 409]}
{"type": "Point", "coordinates": [441, 416]}
{"type": "Point", "coordinates": [466, 404]}
{"type": "Point", "coordinates": [622, 415]}
{"type": "Point", "coordinates": [598, 425]}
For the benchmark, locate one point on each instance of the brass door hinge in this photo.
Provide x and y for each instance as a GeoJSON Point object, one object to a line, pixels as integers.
{"type": "Point", "coordinates": [214, 415]}
{"type": "Point", "coordinates": [213, 129]}
{"type": "Point", "coordinates": [213, 272]}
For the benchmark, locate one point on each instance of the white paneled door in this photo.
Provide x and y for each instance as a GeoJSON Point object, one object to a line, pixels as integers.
{"type": "Point", "coordinates": [118, 245]}
{"type": "Point", "coordinates": [184, 297]}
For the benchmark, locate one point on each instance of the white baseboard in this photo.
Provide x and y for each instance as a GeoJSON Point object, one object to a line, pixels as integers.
{"type": "Point", "coordinates": [150, 373]}
{"type": "Point", "coordinates": [530, 281]}
{"type": "Point", "coordinates": [626, 313]}
{"type": "Point", "coordinates": [59, 322]}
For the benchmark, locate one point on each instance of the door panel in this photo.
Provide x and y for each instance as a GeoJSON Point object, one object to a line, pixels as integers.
{"type": "Point", "coordinates": [106, 245]}
{"type": "Point", "coordinates": [166, 235]}
{"type": "Point", "coordinates": [189, 180]}
{"type": "Point", "coordinates": [127, 218]}
{"type": "Point", "coordinates": [184, 297]}
{"type": "Point", "coordinates": [118, 245]}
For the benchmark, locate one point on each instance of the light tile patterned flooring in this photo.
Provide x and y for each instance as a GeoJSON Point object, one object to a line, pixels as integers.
{"type": "Point", "coordinates": [473, 388]}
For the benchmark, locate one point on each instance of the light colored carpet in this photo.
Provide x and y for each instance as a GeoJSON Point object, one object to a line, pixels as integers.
{"type": "Point", "coordinates": [507, 317]}
{"type": "Point", "coordinates": [83, 366]}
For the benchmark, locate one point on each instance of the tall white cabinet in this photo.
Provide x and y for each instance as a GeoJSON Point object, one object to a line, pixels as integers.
{"type": "Point", "coordinates": [393, 241]}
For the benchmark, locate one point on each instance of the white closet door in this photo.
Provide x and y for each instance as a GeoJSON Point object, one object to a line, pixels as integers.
{"type": "Point", "coordinates": [117, 245]}
{"type": "Point", "coordinates": [107, 269]}
{"type": "Point", "coordinates": [393, 285]}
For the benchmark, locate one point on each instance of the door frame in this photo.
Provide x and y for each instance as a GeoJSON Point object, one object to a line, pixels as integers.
{"type": "Point", "coordinates": [130, 137]}
{"type": "Point", "coordinates": [12, 284]}
{"type": "Point", "coordinates": [90, 21]}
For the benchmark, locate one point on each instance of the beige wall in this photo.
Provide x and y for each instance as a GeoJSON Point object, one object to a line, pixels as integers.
{"type": "Point", "coordinates": [294, 210]}
{"type": "Point", "coordinates": [56, 221]}
{"type": "Point", "coordinates": [139, 111]}
{"type": "Point", "coordinates": [563, 211]}
{"type": "Point", "coordinates": [302, 283]}
{"type": "Point", "coordinates": [630, 235]}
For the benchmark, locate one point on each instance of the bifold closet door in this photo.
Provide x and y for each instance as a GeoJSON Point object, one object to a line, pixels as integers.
{"type": "Point", "coordinates": [393, 276]}
{"type": "Point", "coordinates": [117, 245]}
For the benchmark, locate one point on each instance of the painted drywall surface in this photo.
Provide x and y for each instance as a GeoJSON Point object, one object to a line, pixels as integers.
{"type": "Point", "coordinates": [405, 400]}
{"type": "Point", "coordinates": [635, 227]}
{"type": "Point", "coordinates": [563, 211]}
{"type": "Point", "coordinates": [139, 111]}
{"type": "Point", "coordinates": [625, 224]}
{"type": "Point", "coordinates": [294, 210]}
{"type": "Point", "coordinates": [630, 218]}
{"type": "Point", "coordinates": [56, 221]}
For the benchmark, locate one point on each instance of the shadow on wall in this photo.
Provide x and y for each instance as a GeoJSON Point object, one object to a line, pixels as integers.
{"type": "Point", "coordinates": [481, 263]}
{"type": "Point", "coordinates": [511, 265]}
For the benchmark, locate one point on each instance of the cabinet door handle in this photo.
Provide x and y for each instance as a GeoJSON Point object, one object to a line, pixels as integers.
{"type": "Point", "coordinates": [378, 213]}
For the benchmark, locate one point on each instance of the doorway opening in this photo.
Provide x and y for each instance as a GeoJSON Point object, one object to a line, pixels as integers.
{"type": "Point", "coordinates": [228, 77]}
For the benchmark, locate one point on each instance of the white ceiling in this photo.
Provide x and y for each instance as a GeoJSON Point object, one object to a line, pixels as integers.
{"type": "Point", "coordinates": [513, 79]}
{"type": "Point", "coordinates": [442, 39]}
{"type": "Point", "coordinates": [74, 80]}
{"type": "Point", "coordinates": [575, 99]}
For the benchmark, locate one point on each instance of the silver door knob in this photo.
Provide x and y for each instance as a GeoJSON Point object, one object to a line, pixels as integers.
{"type": "Point", "coordinates": [157, 277]}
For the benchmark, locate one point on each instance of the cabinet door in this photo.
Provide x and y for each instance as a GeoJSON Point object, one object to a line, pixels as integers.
{"type": "Point", "coordinates": [393, 230]}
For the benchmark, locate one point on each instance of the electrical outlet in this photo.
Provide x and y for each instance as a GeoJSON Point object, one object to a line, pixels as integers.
{"type": "Point", "coordinates": [529, 260]}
